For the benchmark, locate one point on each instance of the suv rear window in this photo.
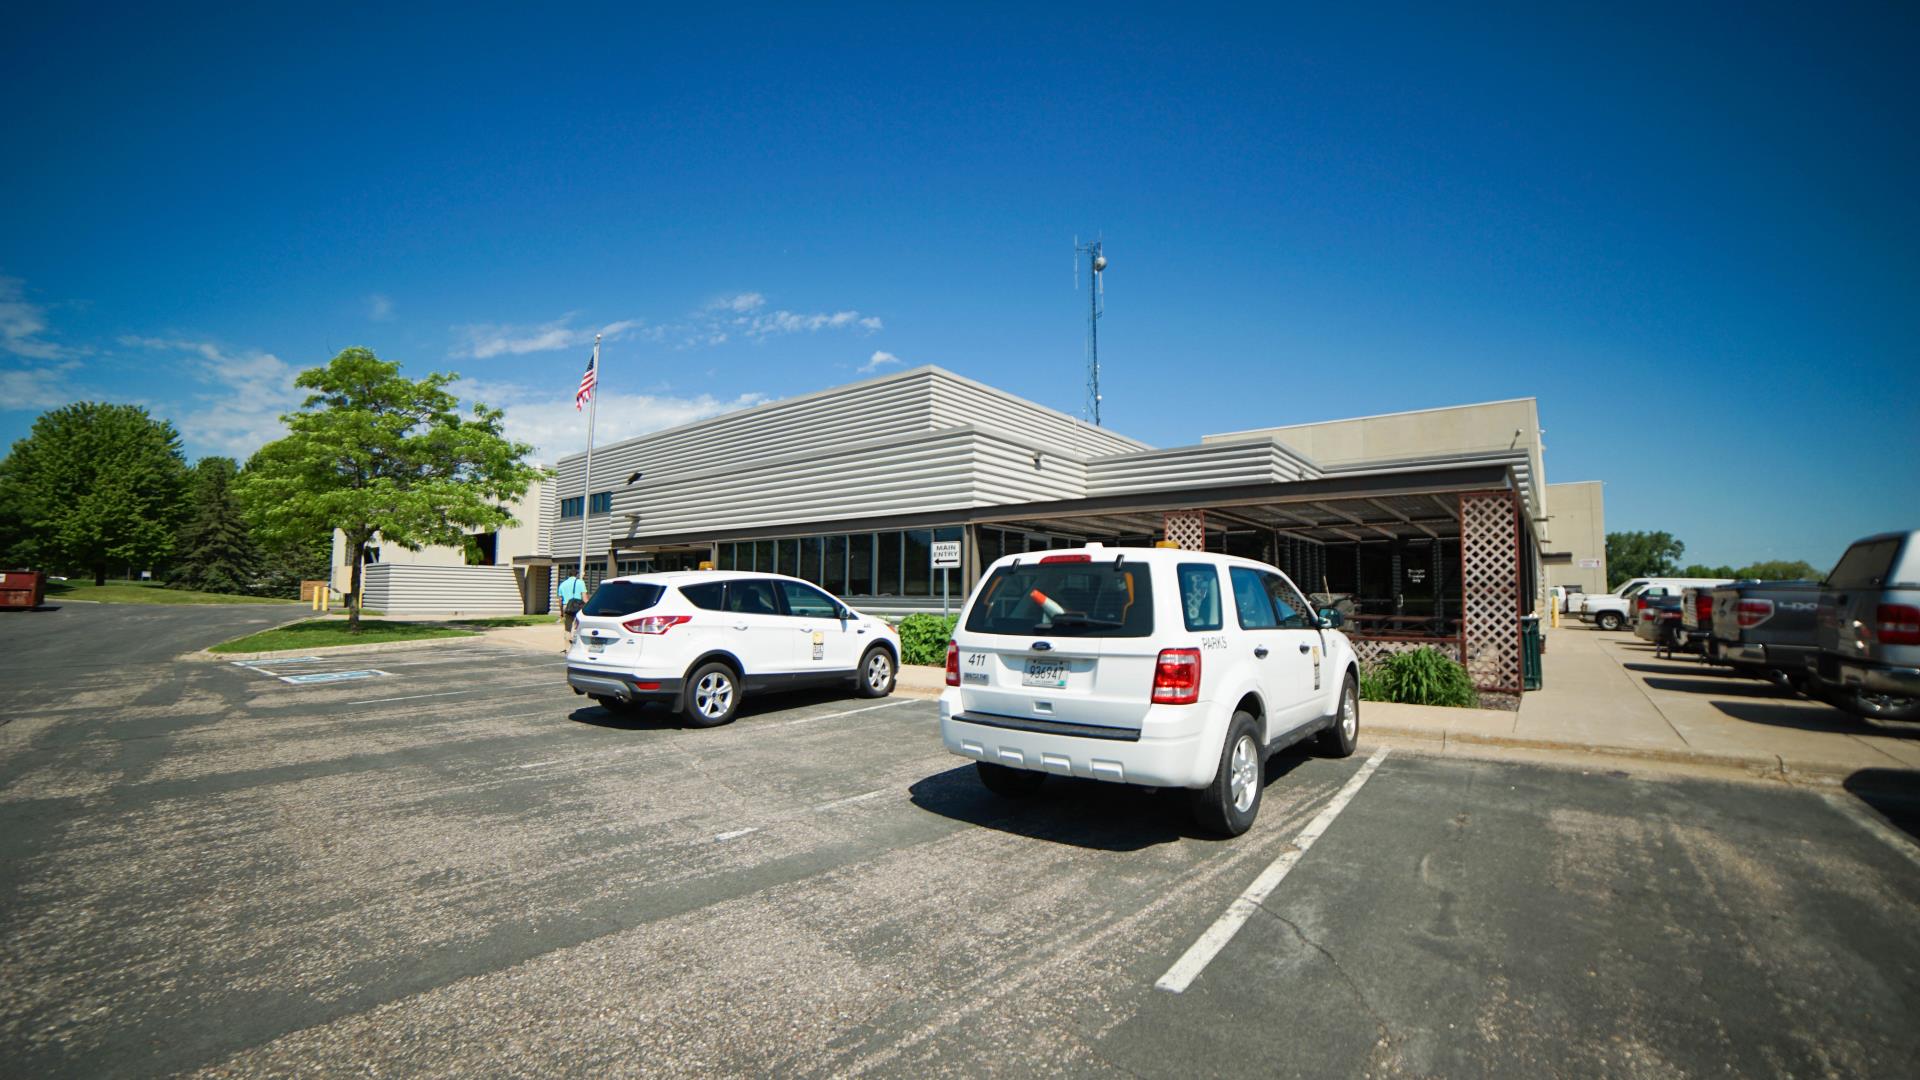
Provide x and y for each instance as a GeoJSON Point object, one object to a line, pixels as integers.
{"type": "Point", "coordinates": [1093, 599]}
{"type": "Point", "coordinates": [622, 598]}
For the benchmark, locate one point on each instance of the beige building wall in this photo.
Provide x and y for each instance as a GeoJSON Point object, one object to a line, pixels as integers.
{"type": "Point", "coordinates": [526, 538]}
{"type": "Point", "coordinates": [1421, 433]}
{"type": "Point", "coordinates": [1577, 516]}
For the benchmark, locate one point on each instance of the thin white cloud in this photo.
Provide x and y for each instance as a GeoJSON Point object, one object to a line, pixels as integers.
{"type": "Point", "coordinates": [550, 422]}
{"type": "Point", "coordinates": [380, 308]}
{"type": "Point", "coordinates": [22, 323]}
{"type": "Point", "coordinates": [484, 340]}
{"type": "Point", "coordinates": [767, 324]}
{"type": "Point", "coordinates": [38, 388]}
{"type": "Point", "coordinates": [248, 392]}
{"type": "Point", "coordinates": [739, 304]}
{"type": "Point", "coordinates": [877, 361]}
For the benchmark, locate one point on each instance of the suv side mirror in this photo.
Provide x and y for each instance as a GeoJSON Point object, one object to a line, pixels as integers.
{"type": "Point", "coordinates": [844, 614]}
{"type": "Point", "coordinates": [1331, 619]}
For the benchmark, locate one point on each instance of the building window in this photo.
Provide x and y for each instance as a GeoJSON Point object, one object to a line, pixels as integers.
{"type": "Point", "coordinates": [602, 503]}
{"type": "Point", "coordinates": [888, 581]}
{"type": "Point", "coordinates": [919, 562]}
{"type": "Point", "coordinates": [859, 579]}
{"type": "Point", "coordinates": [835, 577]}
{"type": "Point", "coordinates": [570, 508]}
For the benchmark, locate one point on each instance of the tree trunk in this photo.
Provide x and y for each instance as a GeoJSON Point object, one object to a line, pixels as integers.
{"type": "Point", "coordinates": [99, 573]}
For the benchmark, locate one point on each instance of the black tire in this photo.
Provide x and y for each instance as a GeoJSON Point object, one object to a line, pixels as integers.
{"type": "Point", "coordinates": [1341, 739]}
{"type": "Point", "coordinates": [712, 696]}
{"type": "Point", "coordinates": [1241, 775]}
{"type": "Point", "coordinates": [1009, 782]}
{"type": "Point", "coordinates": [869, 680]}
{"type": "Point", "coordinates": [1607, 620]}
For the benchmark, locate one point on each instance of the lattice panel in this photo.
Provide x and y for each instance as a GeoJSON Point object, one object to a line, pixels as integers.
{"type": "Point", "coordinates": [1490, 590]}
{"type": "Point", "coordinates": [1374, 650]}
{"type": "Point", "coordinates": [1187, 528]}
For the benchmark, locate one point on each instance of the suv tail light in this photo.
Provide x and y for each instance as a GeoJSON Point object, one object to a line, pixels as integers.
{"type": "Point", "coordinates": [953, 663]}
{"type": "Point", "coordinates": [1703, 609]}
{"type": "Point", "coordinates": [653, 624]}
{"type": "Point", "coordinates": [1176, 677]}
{"type": "Point", "coordinates": [1639, 604]}
{"type": "Point", "coordinates": [1897, 624]}
{"type": "Point", "coordinates": [1751, 613]}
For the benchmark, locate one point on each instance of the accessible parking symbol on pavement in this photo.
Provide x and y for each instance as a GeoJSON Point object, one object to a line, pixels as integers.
{"type": "Point", "coordinates": [332, 676]}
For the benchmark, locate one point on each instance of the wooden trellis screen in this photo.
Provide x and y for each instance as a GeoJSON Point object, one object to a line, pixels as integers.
{"type": "Point", "coordinates": [1490, 590]}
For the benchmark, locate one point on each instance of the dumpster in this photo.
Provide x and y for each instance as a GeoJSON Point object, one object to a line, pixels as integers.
{"type": "Point", "coordinates": [22, 589]}
{"type": "Point", "coordinates": [1530, 652]}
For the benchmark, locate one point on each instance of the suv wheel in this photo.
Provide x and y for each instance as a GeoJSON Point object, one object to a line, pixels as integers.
{"type": "Point", "coordinates": [1229, 804]}
{"type": "Point", "coordinates": [1340, 739]}
{"type": "Point", "coordinates": [1010, 782]}
{"type": "Point", "coordinates": [875, 676]}
{"type": "Point", "coordinates": [713, 695]}
{"type": "Point", "coordinates": [1608, 620]}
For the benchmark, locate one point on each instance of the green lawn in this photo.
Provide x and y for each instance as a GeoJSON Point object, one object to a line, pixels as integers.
{"type": "Point", "coordinates": [315, 633]}
{"type": "Point", "coordinates": [143, 592]}
{"type": "Point", "coordinates": [506, 620]}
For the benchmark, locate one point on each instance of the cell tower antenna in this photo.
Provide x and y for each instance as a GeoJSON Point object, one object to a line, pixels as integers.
{"type": "Point", "coordinates": [1096, 304]}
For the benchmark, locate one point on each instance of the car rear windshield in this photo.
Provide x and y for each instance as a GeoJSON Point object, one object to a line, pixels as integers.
{"type": "Point", "coordinates": [622, 598]}
{"type": "Point", "coordinates": [1091, 599]}
{"type": "Point", "coordinates": [1865, 565]}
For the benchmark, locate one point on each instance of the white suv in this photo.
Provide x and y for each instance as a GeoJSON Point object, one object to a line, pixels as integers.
{"type": "Point", "coordinates": [700, 640]}
{"type": "Point", "coordinates": [1148, 666]}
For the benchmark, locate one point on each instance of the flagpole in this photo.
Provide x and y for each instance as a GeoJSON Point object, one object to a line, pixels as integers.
{"type": "Point", "coordinates": [586, 481]}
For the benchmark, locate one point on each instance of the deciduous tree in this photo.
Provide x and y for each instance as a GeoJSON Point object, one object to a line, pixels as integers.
{"type": "Point", "coordinates": [371, 451]}
{"type": "Point", "coordinates": [1641, 554]}
{"type": "Point", "coordinates": [93, 486]}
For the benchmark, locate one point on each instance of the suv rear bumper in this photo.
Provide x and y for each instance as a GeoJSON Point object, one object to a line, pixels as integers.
{"type": "Point", "coordinates": [1184, 758]}
{"type": "Point", "coordinates": [622, 685]}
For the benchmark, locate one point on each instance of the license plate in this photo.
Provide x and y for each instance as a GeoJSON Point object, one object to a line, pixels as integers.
{"type": "Point", "coordinates": [1045, 673]}
{"type": "Point", "coordinates": [595, 644]}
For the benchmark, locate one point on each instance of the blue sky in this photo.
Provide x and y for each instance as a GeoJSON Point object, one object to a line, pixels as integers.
{"type": "Point", "coordinates": [1691, 234]}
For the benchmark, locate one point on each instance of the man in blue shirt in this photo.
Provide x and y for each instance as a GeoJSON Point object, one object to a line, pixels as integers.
{"type": "Point", "coordinates": [573, 596]}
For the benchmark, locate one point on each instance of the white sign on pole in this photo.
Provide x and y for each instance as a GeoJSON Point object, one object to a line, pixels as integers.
{"type": "Point", "coordinates": [1589, 564]}
{"type": "Point", "coordinates": [946, 554]}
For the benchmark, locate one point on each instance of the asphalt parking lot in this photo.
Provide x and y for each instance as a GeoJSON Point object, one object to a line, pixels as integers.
{"type": "Point", "coordinates": [458, 867]}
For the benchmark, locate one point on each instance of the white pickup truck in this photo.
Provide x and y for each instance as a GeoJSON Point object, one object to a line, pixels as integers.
{"type": "Point", "coordinates": [1612, 610]}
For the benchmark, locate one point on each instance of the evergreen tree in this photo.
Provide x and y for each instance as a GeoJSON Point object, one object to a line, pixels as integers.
{"type": "Point", "coordinates": [216, 550]}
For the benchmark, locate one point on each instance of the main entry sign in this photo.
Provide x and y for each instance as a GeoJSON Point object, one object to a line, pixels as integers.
{"type": "Point", "coordinates": [946, 554]}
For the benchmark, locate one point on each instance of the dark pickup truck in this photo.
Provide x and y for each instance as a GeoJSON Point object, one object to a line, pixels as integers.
{"type": "Point", "coordinates": [1766, 629]}
{"type": "Point", "coordinates": [1656, 619]}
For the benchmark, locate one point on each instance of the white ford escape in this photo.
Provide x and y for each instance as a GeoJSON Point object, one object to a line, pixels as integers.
{"type": "Point", "coordinates": [1148, 666]}
{"type": "Point", "coordinates": [700, 640]}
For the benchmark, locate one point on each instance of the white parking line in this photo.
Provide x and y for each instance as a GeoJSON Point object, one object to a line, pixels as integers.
{"type": "Point", "coordinates": [849, 712]}
{"type": "Point", "coordinates": [537, 764]}
{"type": "Point", "coordinates": [737, 833]}
{"type": "Point", "coordinates": [1201, 953]}
{"type": "Point", "coordinates": [863, 797]}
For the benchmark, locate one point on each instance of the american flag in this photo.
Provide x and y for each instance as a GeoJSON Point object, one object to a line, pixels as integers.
{"type": "Point", "coordinates": [587, 382]}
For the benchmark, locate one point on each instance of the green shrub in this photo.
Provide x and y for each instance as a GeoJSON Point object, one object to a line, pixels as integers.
{"type": "Point", "coordinates": [923, 638]}
{"type": "Point", "coordinates": [1419, 677]}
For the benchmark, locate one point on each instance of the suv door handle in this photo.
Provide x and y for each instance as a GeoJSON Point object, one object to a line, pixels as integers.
{"type": "Point", "coordinates": [1260, 651]}
{"type": "Point", "coordinates": [1305, 647]}
{"type": "Point", "coordinates": [739, 626]}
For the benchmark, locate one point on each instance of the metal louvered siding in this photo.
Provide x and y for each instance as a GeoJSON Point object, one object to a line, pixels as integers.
{"type": "Point", "coordinates": [1206, 465]}
{"type": "Point", "coordinates": [959, 402]}
{"type": "Point", "coordinates": [402, 589]}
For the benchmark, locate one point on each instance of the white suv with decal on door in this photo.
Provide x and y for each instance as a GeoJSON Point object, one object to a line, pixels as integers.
{"type": "Point", "coordinates": [700, 640]}
{"type": "Point", "coordinates": [1148, 666]}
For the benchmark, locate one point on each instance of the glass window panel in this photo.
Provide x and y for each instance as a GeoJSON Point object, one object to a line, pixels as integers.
{"type": "Point", "coordinates": [919, 563]}
{"type": "Point", "coordinates": [763, 556]}
{"type": "Point", "coordinates": [1199, 596]}
{"type": "Point", "coordinates": [807, 602]}
{"type": "Point", "coordinates": [789, 558]}
{"type": "Point", "coordinates": [810, 559]}
{"type": "Point", "coordinates": [1251, 600]}
{"type": "Point", "coordinates": [836, 568]}
{"type": "Point", "coordinates": [888, 581]}
{"type": "Point", "coordinates": [860, 558]}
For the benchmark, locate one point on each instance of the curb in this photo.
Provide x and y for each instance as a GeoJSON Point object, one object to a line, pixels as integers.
{"type": "Point", "coordinates": [332, 650]}
{"type": "Point", "coordinates": [1772, 767]}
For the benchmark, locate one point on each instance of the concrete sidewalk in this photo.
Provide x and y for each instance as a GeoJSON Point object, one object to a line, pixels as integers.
{"type": "Point", "coordinates": [1606, 693]}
